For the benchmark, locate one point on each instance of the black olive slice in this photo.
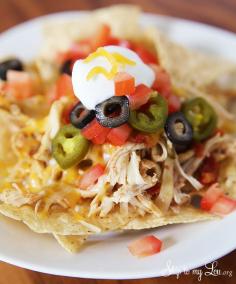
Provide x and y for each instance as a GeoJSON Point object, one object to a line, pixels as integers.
{"type": "Point", "coordinates": [80, 116]}
{"type": "Point", "coordinates": [179, 131]}
{"type": "Point", "coordinates": [66, 67]}
{"type": "Point", "coordinates": [196, 200]}
{"type": "Point", "coordinates": [113, 112]}
{"type": "Point", "coordinates": [10, 64]}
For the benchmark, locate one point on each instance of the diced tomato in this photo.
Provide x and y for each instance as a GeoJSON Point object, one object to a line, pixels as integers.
{"type": "Point", "coordinates": [113, 41]}
{"type": "Point", "coordinates": [76, 51]}
{"type": "Point", "coordinates": [174, 103]}
{"type": "Point", "coordinates": [146, 246]}
{"type": "Point", "coordinates": [101, 38]}
{"type": "Point", "coordinates": [147, 56]}
{"type": "Point", "coordinates": [120, 42]}
{"type": "Point", "coordinates": [209, 171]}
{"type": "Point", "coordinates": [124, 84]}
{"type": "Point", "coordinates": [80, 50]}
{"type": "Point", "coordinates": [138, 138]}
{"type": "Point", "coordinates": [91, 176]}
{"type": "Point", "coordinates": [199, 149]}
{"type": "Point", "coordinates": [125, 43]}
{"type": "Point", "coordinates": [93, 129]}
{"type": "Point", "coordinates": [149, 139]}
{"type": "Point", "coordinates": [208, 178]}
{"type": "Point", "coordinates": [19, 84]}
{"type": "Point", "coordinates": [162, 83]}
{"type": "Point", "coordinates": [100, 137]}
{"type": "Point", "coordinates": [224, 205]}
{"type": "Point", "coordinates": [211, 196]}
{"type": "Point", "coordinates": [63, 88]}
{"type": "Point", "coordinates": [119, 135]}
{"type": "Point", "coordinates": [152, 140]}
{"type": "Point", "coordinates": [140, 96]}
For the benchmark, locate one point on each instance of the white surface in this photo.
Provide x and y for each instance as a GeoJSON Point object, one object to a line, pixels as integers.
{"type": "Point", "coordinates": [99, 88]}
{"type": "Point", "coordinates": [186, 246]}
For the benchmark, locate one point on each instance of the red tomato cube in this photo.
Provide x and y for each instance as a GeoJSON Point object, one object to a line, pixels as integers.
{"type": "Point", "coordinates": [100, 137]}
{"type": "Point", "coordinates": [162, 83]}
{"type": "Point", "coordinates": [19, 84]}
{"type": "Point", "coordinates": [94, 129]}
{"type": "Point", "coordinates": [140, 96]}
{"type": "Point", "coordinates": [174, 103]}
{"type": "Point", "coordinates": [211, 196]}
{"type": "Point", "coordinates": [119, 135]}
{"type": "Point", "coordinates": [124, 84]}
{"type": "Point", "coordinates": [91, 176]}
{"type": "Point", "coordinates": [101, 38]}
{"type": "Point", "coordinates": [146, 56]}
{"type": "Point", "coordinates": [146, 246]}
{"type": "Point", "coordinates": [224, 205]}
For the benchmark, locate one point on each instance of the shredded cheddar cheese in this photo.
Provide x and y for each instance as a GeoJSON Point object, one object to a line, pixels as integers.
{"type": "Point", "coordinates": [122, 59]}
{"type": "Point", "coordinates": [114, 59]}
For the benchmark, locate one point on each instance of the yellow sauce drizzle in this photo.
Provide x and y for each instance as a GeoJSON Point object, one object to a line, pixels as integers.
{"type": "Point", "coordinates": [122, 59]}
{"type": "Point", "coordinates": [113, 58]}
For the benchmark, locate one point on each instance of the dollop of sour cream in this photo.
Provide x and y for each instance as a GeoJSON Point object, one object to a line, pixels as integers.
{"type": "Point", "coordinates": [99, 88]}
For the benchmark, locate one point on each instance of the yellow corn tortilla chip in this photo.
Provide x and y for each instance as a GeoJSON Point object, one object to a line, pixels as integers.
{"type": "Point", "coordinates": [67, 224]}
{"type": "Point", "coordinates": [71, 243]}
{"type": "Point", "coordinates": [58, 35]}
{"type": "Point", "coordinates": [185, 65]}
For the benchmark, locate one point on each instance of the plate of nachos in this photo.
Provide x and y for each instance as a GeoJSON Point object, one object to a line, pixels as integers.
{"type": "Point", "coordinates": [118, 138]}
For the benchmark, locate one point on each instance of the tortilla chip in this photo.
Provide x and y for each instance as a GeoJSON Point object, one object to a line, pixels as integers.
{"type": "Point", "coordinates": [71, 243]}
{"type": "Point", "coordinates": [228, 177]}
{"type": "Point", "coordinates": [58, 35]}
{"type": "Point", "coordinates": [67, 224]}
{"type": "Point", "coordinates": [188, 66]}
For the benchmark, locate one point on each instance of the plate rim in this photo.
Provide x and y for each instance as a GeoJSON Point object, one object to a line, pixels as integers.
{"type": "Point", "coordinates": [105, 275]}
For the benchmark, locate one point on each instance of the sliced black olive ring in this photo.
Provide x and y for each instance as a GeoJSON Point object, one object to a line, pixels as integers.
{"type": "Point", "coordinates": [113, 112]}
{"type": "Point", "coordinates": [10, 64]}
{"type": "Point", "coordinates": [179, 131]}
{"type": "Point", "coordinates": [80, 116]}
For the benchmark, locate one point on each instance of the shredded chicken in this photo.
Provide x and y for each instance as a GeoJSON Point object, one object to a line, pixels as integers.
{"type": "Point", "coordinates": [117, 165]}
{"type": "Point", "coordinates": [212, 144]}
{"type": "Point", "coordinates": [130, 174]}
{"type": "Point", "coordinates": [187, 164]}
{"type": "Point", "coordinates": [167, 186]}
{"type": "Point", "coordinates": [10, 126]}
{"type": "Point", "coordinates": [183, 157]}
{"type": "Point", "coordinates": [193, 181]}
{"type": "Point", "coordinates": [53, 126]}
{"type": "Point", "coordinates": [150, 171]}
{"type": "Point", "coordinates": [17, 198]}
{"type": "Point", "coordinates": [159, 152]}
{"type": "Point", "coordinates": [179, 196]}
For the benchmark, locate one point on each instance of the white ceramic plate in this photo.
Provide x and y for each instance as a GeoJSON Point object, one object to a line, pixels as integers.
{"type": "Point", "coordinates": [185, 246]}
